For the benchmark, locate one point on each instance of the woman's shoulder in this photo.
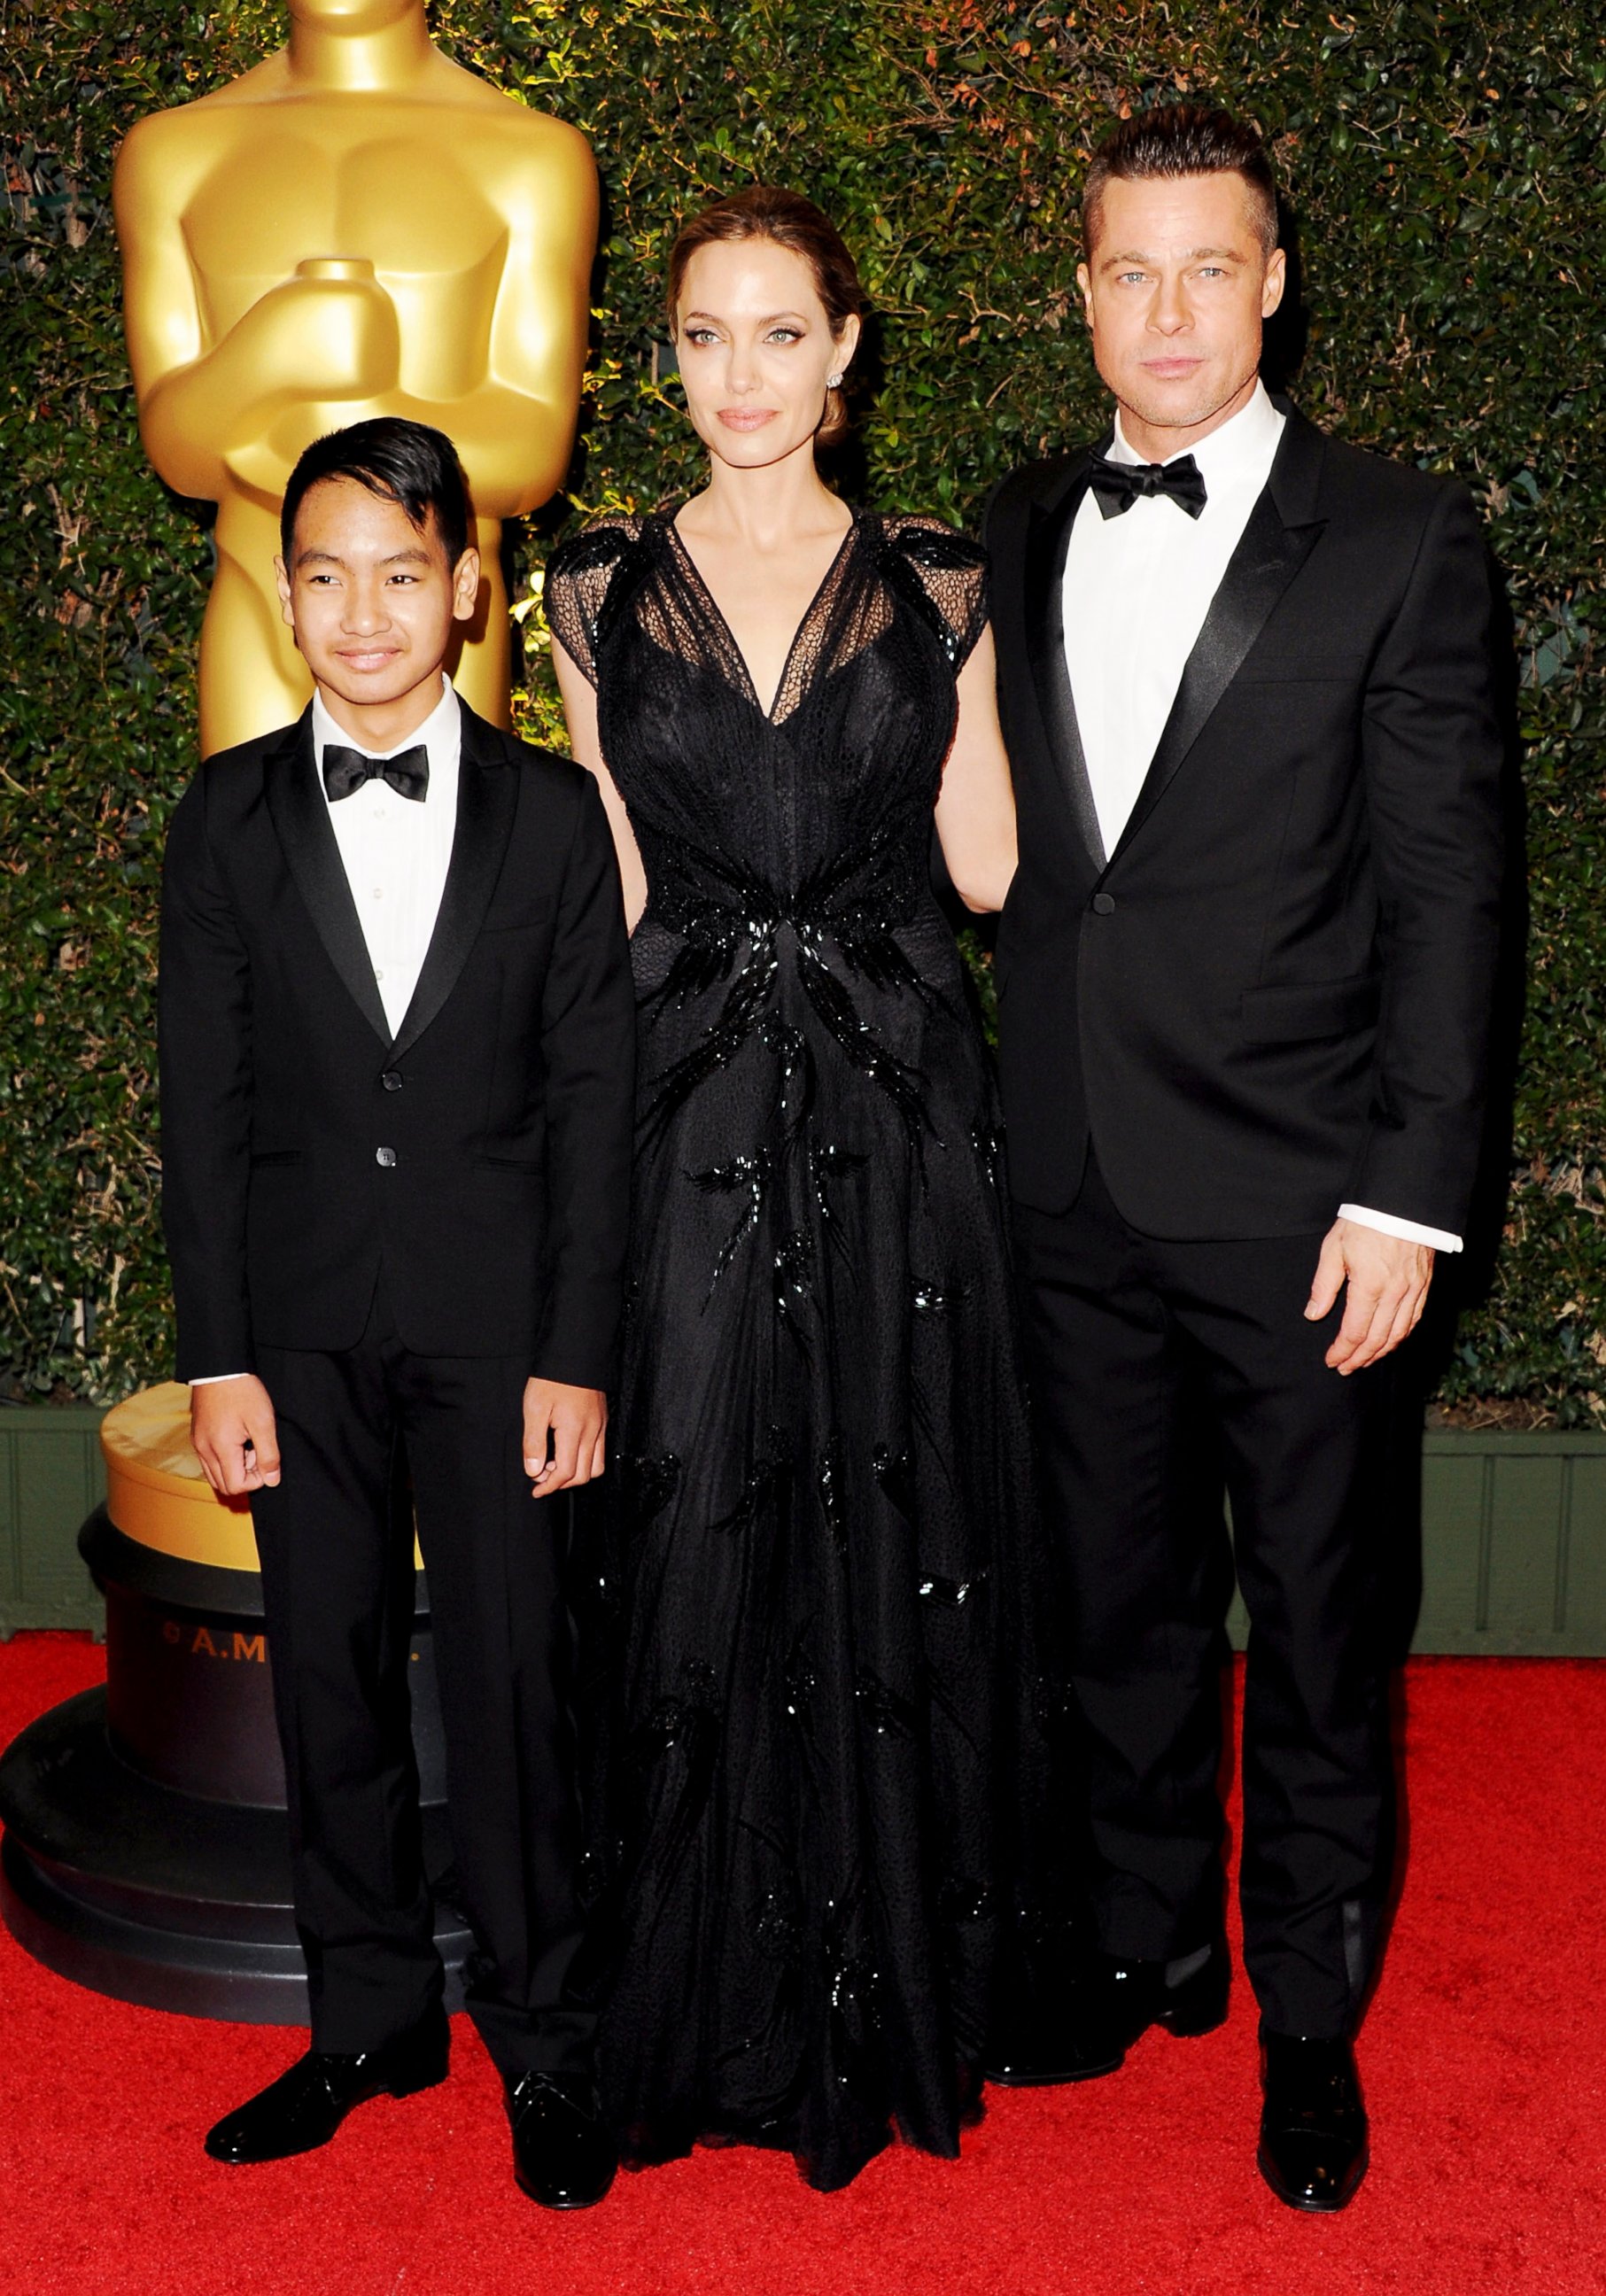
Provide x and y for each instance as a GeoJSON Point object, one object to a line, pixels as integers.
{"type": "Point", "coordinates": [932, 544]}
{"type": "Point", "coordinates": [942, 575]}
{"type": "Point", "coordinates": [599, 545]}
{"type": "Point", "coordinates": [589, 582]}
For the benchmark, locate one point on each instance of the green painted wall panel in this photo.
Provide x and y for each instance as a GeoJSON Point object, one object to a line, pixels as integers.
{"type": "Point", "coordinates": [50, 1478]}
{"type": "Point", "coordinates": [1513, 1530]}
{"type": "Point", "coordinates": [1586, 1561]}
{"type": "Point", "coordinates": [1455, 1490]}
{"type": "Point", "coordinates": [1524, 1540]}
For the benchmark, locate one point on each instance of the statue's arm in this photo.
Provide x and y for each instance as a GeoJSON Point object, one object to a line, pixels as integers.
{"type": "Point", "coordinates": [515, 429]}
{"type": "Point", "coordinates": [201, 402]}
{"type": "Point", "coordinates": [161, 313]}
{"type": "Point", "coordinates": [544, 312]}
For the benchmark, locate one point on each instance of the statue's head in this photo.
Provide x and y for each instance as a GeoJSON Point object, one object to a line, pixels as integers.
{"type": "Point", "coordinates": [353, 16]}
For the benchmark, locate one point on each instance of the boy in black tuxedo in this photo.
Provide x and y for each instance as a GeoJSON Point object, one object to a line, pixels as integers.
{"type": "Point", "coordinates": [397, 1042]}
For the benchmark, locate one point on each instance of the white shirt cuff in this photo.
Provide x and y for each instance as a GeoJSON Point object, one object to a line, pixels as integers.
{"type": "Point", "coordinates": [1409, 1231]}
{"type": "Point", "coordinates": [213, 1378]}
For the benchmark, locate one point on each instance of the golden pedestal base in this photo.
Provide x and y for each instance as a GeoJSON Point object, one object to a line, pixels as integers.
{"type": "Point", "coordinates": [156, 1495]}
{"type": "Point", "coordinates": [146, 1852]}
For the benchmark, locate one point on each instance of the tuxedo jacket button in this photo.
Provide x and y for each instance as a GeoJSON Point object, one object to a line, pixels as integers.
{"type": "Point", "coordinates": [1103, 904]}
{"type": "Point", "coordinates": [391, 1081]}
{"type": "Point", "coordinates": [385, 1156]}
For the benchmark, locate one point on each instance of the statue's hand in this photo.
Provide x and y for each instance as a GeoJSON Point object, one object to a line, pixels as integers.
{"type": "Point", "coordinates": [325, 338]}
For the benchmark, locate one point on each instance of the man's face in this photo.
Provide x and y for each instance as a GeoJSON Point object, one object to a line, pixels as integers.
{"type": "Point", "coordinates": [371, 599]}
{"type": "Point", "coordinates": [1176, 292]}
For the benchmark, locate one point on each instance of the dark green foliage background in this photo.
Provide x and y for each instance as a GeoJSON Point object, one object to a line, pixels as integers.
{"type": "Point", "coordinates": [1443, 165]}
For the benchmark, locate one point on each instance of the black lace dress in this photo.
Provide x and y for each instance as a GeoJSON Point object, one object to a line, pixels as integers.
{"type": "Point", "coordinates": [817, 1553]}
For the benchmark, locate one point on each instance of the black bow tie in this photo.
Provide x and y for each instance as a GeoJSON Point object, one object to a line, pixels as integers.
{"type": "Point", "coordinates": [1118, 485]}
{"type": "Point", "coordinates": [344, 770]}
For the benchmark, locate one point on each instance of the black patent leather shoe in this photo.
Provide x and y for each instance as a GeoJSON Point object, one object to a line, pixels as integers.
{"type": "Point", "coordinates": [305, 2106]}
{"type": "Point", "coordinates": [563, 2157]}
{"type": "Point", "coordinates": [1313, 2127]}
{"type": "Point", "coordinates": [1108, 2003]}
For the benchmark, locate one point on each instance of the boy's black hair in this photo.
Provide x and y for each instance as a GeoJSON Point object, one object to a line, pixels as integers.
{"type": "Point", "coordinates": [401, 462]}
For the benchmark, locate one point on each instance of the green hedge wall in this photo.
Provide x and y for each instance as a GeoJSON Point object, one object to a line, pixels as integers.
{"type": "Point", "coordinates": [1443, 166]}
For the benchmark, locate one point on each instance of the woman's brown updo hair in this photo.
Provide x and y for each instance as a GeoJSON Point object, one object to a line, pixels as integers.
{"type": "Point", "coordinates": [793, 222]}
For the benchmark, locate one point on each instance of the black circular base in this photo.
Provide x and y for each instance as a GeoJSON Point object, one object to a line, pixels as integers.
{"type": "Point", "coordinates": [156, 1897]}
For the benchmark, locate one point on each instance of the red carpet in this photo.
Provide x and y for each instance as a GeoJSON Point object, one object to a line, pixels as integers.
{"type": "Point", "coordinates": [1484, 2058]}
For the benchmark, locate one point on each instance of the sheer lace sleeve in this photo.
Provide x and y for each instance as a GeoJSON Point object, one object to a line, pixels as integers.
{"type": "Point", "coordinates": [580, 583]}
{"type": "Point", "coordinates": [947, 576]}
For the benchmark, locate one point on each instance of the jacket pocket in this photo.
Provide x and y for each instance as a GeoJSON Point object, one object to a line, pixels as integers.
{"type": "Point", "coordinates": [525, 915]}
{"type": "Point", "coordinates": [1303, 668]}
{"type": "Point", "coordinates": [1304, 1012]}
{"type": "Point", "coordinates": [532, 1164]}
{"type": "Point", "coordinates": [271, 1158]}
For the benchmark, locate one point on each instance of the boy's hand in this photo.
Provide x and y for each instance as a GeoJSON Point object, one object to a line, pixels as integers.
{"type": "Point", "coordinates": [576, 1419]}
{"type": "Point", "coordinates": [236, 1438]}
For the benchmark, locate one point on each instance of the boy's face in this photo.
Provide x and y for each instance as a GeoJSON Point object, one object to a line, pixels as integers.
{"type": "Point", "coordinates": [371, 599]}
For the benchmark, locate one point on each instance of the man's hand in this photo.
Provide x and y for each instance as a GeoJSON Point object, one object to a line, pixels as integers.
{"type": "Point", "coordinates": [1387, 1279]}
{"type": "Point", "coordinates": [236, 1438]}
{"type": "Point", "coordinates": [576, 1419]}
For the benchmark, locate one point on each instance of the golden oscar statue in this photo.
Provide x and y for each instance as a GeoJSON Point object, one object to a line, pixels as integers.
{"type": "Point", "coordinates": [356, 227]}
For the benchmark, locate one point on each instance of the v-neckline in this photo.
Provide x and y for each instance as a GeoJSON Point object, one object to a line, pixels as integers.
{"type": "Point", "coordinates": [682, 552]}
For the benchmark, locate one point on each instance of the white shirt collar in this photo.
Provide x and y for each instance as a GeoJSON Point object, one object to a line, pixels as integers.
{"type": "Point", "coordinates": [1243, 447]}
{"type": "Point", "coordinates": [441, 732]}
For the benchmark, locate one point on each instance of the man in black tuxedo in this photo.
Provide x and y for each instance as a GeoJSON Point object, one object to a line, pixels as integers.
{"type": "Point", "coordinates": [397, 1037]}
{"type": "Point", "coordinates": [1245, 974]}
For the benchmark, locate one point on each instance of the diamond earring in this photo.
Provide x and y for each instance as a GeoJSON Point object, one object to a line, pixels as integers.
{"type": "Point", "coordinates": [833, 382]}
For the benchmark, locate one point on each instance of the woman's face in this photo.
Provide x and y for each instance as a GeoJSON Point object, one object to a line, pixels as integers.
{"type": "Point", "coordinates": [756, 350]}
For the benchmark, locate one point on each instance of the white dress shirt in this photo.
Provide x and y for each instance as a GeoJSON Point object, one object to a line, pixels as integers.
{"type": "Point", "coordinates": [396, 851]}
{"type": "Point", "coordinates": [1137, 589]}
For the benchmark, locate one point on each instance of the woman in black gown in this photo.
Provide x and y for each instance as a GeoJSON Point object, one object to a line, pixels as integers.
{"type": "Point", "coordinates": [819, 1560]}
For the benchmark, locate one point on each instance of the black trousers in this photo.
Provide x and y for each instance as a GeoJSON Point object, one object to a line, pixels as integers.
{"type": "Point", "coordinates": [1161, 1370]}
{"type": "Point", "coordinates": [338, 1591]}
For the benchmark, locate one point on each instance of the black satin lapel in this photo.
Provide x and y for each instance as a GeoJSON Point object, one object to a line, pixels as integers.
{"type": "Point", "coordinates": [300, 814]}
{"type": "Point", "coordinates": [1047, 540]}
{"type": "Point", "coordinates": [487, 791]}
{"type": "Point", "coordinates": [1266, 560]}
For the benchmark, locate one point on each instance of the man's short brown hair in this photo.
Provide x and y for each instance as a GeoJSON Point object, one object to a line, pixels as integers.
{"type": "Point", "coordinates": [1183, 139]}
